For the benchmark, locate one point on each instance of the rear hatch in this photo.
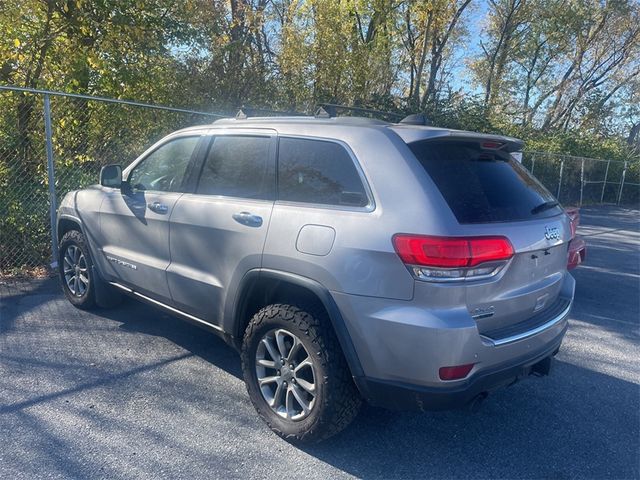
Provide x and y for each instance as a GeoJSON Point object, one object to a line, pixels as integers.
{"type": "Point", "coordinates": [492, 195]}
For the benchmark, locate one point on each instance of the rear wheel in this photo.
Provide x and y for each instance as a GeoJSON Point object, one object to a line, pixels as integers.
{"type": "Point", "coordinates": [296, 375]}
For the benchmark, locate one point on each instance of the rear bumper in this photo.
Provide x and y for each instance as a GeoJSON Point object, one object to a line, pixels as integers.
{"type": "Point", "coordinates": [400, 396]}
{"type": "Point", "coordinates": [401, 346]}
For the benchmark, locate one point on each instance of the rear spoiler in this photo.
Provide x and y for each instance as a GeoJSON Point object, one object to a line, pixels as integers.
{"type": "Point", "coordinates": [412, 134]}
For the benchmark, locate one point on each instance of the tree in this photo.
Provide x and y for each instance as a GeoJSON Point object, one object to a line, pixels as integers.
{"type": "Point", "coordinates": [544, 64]}
{"type": "Point", "coordinates": [605, 58]}
{"type": "Point", "coordinates": [508, 25]}
{"type": "Point", "coordinates": [431, 29]}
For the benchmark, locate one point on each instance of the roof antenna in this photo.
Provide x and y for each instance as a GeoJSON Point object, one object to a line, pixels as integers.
{"type": "Point", "coordinates": [415, 119]}
{"type": "Point", "coordinates": [241, 115]}
{"type": "Point", "coordinates": [325, 111]}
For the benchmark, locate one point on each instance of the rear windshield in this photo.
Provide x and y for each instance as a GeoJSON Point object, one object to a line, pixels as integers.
{"type": "Point", "coordinates": [482, 186]}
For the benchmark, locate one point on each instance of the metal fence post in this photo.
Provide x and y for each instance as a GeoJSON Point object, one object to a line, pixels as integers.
{"type": "Point", "coordinates": [533, 163]}
{"type": "Point", "coordinates": [51, 179]}
{"type": "Point", "coordinates": [624, 174]}
{"type": "Point", "coordinates": [560, 181]}
{"type": "Point", "coordinates": [581, 180]}
{"type": "Point", "coordinates": [604, 184]}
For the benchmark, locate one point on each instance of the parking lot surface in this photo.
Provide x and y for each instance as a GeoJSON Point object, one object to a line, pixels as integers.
{"type": "Point", "coordinates": [134, 393]}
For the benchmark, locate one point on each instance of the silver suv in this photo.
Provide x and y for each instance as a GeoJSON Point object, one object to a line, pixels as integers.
{"type": "Point", "coordinates": [345, 258]}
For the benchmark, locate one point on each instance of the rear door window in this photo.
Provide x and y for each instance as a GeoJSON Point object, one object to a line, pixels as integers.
{"type": "Point", "coordinates": [483, 186]}
{"type": "Point", "coordinates": [238, 166]}
{"type": "Point", "coordinates": [319, 172]}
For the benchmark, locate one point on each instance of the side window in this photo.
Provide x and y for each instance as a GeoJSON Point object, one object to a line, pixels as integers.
{"type": "Point", "coordinates": [164, 169]}
{"type": "Point", "coordinates": [316, 171]}
{"type": "Point", "coordinates": [238, 166]}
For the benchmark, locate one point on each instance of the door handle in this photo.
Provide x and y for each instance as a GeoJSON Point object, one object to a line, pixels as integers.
{"type": "Point", "coordinates": [248, 219]}
{"type": "Point", "coordinates": [158, 207]}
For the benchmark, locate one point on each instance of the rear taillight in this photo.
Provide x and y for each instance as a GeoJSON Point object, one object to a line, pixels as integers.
{"type": "Point", "coordinates": [451, 252]}
{"type": "Point", "coordinates": [452, 258]}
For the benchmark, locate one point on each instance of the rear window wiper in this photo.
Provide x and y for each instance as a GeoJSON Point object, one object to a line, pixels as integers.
{"type": "Point", "coordinates": [544, 206]}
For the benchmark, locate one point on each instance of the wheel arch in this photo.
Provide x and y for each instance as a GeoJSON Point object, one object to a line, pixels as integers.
{"type": "Point", "coordinates": [105, 296]}
{"type": "Point", "coordinates": [262, 287]}
{"type": "Point", "coordinates": [67, 223]}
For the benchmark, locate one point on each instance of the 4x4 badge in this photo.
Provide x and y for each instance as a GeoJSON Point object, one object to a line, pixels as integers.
{"type": "Point", "coordinates": [551, 233]}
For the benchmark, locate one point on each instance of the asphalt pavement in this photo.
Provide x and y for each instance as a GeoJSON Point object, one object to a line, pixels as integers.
{"type": "Point", "coordinates": [134, 393]}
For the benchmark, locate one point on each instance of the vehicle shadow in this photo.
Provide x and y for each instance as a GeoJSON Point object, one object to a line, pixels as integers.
{"type": "Point", "coordinates": [138, 317]}
{"type": "Point", "coordinates": [576, 423]}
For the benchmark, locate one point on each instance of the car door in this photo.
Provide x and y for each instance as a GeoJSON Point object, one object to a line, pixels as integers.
{"type": "Point", "coordinates": [134, 221]}
{"type": "Point", "coordinates": [218, 232]}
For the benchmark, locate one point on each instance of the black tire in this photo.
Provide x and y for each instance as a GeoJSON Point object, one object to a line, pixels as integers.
{"type": "Point", "coordinates": [336, 402]}
{"type": "Point", "coordinates": [84, 299]}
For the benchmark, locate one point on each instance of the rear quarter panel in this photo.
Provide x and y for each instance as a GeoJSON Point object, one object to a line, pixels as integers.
{"type": "Point", "coordinates": [362, 260]}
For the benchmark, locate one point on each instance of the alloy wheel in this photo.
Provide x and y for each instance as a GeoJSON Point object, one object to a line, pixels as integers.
{"type": "Point", "coordinates": [286, 374]}
{"type": "Point", "coordinates": [76, 274]}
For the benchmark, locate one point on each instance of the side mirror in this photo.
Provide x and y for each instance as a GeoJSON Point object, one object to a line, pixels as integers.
{"type": "Point", "coordinates": [111, 176]}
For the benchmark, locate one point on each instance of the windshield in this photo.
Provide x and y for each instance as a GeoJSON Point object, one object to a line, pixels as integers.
{"type": "Point", "coordinates": [483, 186]}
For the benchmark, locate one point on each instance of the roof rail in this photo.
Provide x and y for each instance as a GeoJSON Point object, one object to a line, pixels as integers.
{"type": "Point", "coordinates": [332, 108]}
{"type": "Point", "coordinates": [246, 112]}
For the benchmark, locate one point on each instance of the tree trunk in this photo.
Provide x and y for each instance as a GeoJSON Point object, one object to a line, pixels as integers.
{"type": "Point", "coordinates": [26, 104]}
{"type": "Point", "coordinates": [633, 140]}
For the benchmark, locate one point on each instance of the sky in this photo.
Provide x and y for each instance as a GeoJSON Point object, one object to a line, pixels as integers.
{"type": "Point", "coordinates": [474, 22]}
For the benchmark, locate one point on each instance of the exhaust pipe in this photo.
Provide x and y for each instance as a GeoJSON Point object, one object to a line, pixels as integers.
{"type": "Point", "coordinates": [474, 404]}
{"type": "Point", "coordinates": [543, 367]}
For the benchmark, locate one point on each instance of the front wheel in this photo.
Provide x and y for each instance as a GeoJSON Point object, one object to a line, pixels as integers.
{"type": "Point", "coordinates": [75, 269]}
{"type": "Point", "coordinates": [296, 375]}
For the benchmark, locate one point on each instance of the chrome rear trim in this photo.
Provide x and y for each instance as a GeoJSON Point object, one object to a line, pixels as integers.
{"type": "Point", "coordinates": [529, 333]}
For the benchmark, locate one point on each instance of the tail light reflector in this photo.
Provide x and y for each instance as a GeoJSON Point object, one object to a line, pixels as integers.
{"type": "Point", "coordinates": [455, 373]}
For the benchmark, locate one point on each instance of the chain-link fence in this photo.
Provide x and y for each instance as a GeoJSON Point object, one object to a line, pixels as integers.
{"type": "Point", "coordinates": [577, 181]}
{"type": "Point", "coordinates": [51, 143]}
{"type": "Point", "coordinates": [24, 202]}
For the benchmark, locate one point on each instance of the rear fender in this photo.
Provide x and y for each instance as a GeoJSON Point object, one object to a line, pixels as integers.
{"type": "Point", "coordinates": [235, 316]}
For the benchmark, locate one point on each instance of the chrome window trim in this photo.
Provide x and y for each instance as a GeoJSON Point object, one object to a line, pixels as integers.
{"type": "Point", "coordinates": [325, 206]}
{"type": "Point", "coordinates": [258, 201]}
